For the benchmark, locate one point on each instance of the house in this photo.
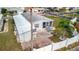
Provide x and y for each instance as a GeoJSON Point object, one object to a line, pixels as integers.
{"type": "Point", "coordinates": [1, 22]}
{"type": "Point", "coordinates": [23, 25]}
{"type": "Point", "coordinates": [19, 10]}
{"type": "Point", "coordinates": [38, 10]}
{"type": "Point", "coordinates": [74, 20]}
{"type": "Point", "coordinates": [40, 23]}
{"type": "Point", "coordinates": [41, 26]}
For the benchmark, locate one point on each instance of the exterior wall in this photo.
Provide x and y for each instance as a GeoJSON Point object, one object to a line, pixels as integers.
{"type": "Point", "coordinates": [40, 28]}
{"type": "Point", "coordinates": [38, 11]}
{"type": "Point", "coordinates": [24, 37]}
{"type": "Point", "coordinates": [40, 25]}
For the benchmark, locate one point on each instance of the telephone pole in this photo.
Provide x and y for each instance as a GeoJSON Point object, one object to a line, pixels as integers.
{"type": "Point", "coordinates": [31, 28]}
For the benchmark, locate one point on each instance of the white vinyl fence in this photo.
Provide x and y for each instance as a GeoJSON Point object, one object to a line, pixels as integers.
{"type": "Point", "coordinates": [46, 48]}
{"type": "Point", "coordinates": [65, 43]}
{"type": "Point", "coordinates": [58, 45]}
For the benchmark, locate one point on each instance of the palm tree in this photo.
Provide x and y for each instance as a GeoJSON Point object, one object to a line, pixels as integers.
{"type": "Point", "coordinates": [65, 27]}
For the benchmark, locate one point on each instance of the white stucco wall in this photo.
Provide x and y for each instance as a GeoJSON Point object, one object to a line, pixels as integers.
{"type": "Point", "coordinates": [40, 28]}
{"type": "Point", "coordinates": [25, 37]}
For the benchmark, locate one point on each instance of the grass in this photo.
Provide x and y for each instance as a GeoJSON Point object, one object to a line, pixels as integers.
{"type": "Point", "coordinates": [72, 15]}
{"type": "Point", "coordinates": [58, 31]}
{"type": "Point", "coordinates": [8, 39]}
{"type": "Point", "coordinates": [56, 19]}
{"type": "Point", "coordinates": [55, 38]}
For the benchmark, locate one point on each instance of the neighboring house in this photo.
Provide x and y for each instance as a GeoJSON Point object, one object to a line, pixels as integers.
{"type": "Point", "coordinates": [38, 10]}
{"type": "Point", "coordinates": [1, 22]}
{"type": "Point", "coordinates": [74, 20]}
{"type": "Point", "coordinates": [18, 9]}
{"type": "Point", "coordinates": [40, 23]}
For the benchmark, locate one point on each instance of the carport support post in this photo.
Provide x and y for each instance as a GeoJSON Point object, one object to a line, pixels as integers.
{"type": "Point", "coordinates": [31, 27]}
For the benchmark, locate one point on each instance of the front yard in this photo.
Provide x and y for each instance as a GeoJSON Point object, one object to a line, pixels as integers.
{"type": "Point", "coordinates": [8, 40]}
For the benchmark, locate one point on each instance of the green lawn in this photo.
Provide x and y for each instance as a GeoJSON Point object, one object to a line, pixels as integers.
{"type": "Point", "coordinates": [8, 40]}
{"type": "Point", "coordinates": [56, 19]}
{"type": "Point", "coordinates": [72, 15]}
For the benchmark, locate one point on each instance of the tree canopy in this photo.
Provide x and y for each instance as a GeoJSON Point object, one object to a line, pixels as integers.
{"type": "Point", "coordinates": [4, 11]}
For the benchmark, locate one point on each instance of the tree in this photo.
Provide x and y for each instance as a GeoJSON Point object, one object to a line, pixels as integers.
{"type": "Point", "coordinates": [4, 11]}
{"type": "Point", "coordinates": [62, 9]}
{"type": "Point", "coordinates": [66, 29]}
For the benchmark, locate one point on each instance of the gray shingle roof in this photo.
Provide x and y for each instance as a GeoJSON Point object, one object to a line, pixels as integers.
{"type": "Point", "coordinates": [35, 17]}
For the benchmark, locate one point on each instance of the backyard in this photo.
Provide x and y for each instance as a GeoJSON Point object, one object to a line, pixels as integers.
{"type": "Point", "coordinates": [59, 30]}
{"type": "Point", "coordinates": [8, 39]}
{"type": "Point", "coordinates": [56, 21]}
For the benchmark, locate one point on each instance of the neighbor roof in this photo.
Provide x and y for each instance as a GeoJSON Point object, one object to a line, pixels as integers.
{"type": "Point", "coordinates": [35, 17]}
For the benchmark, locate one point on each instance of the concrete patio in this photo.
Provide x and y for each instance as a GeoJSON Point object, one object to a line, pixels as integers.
{"type": "Point", "coordinates": [41, 39]}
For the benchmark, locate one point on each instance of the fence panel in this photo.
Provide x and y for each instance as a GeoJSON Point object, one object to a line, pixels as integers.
{"type": "Point", "coordinates": [65, 43]}
{"type": "Point", "coordinates": [59, 45]}
{"type": "Point", "coordinates": [73, 40]}
{"type": "Point", "coordinates": [46, 48]}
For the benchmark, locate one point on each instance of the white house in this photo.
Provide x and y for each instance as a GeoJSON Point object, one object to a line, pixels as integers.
{"type": "Point", "coordinates": [40, 23]}
{"type": "Point", "coordinates": [23, 25]}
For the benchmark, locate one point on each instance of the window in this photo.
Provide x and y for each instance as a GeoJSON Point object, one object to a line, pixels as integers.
{"type": "Point", "coordinates": [36, 25]}
{"type": "Point", "coordinates": [44, 24]}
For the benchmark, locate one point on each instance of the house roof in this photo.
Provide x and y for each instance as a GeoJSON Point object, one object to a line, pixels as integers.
{"type": "Point", "coordinates": [35, 17]}
{"type": "Point", "coordinates": [22, 25]}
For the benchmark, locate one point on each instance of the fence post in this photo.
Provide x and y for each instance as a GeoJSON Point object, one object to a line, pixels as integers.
{"type": "Point", "coordinates": [66, 43]}
{"type": "Point", "coordinates": [52, 47]}
{"type": "Point", "coordinates": [78, 39]}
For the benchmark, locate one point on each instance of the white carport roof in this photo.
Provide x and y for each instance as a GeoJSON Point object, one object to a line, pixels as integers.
{"type": "Point", "coordinates": [22, 24]}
